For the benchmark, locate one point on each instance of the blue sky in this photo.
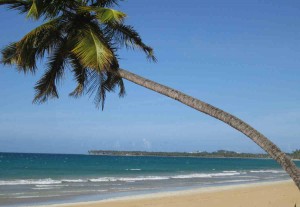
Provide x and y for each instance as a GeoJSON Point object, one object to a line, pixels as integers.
{"type": "Point", "coordinates": [241, 56]}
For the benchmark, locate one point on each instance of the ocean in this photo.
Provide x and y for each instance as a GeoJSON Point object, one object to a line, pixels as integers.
{"type": "Point", "coordinates": [36, 179]}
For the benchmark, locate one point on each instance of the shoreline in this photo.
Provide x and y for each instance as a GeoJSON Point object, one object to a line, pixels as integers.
{"type": "Point", "coordinates": [132, 200]}
{"type": "Point", "coordinates": [266, 158]}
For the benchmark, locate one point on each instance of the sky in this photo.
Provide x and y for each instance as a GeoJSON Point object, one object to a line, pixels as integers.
{"type": "Point", "coordinates": [240, 56]}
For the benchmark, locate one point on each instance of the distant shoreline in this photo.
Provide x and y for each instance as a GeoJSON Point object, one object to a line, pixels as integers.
{"type": "Point", "coordinates": [189, 156]}
{"type": "Point", "coordinates": [216, 154]}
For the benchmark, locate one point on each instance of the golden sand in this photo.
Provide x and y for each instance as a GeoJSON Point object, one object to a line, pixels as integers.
{"type": "Point", "coordinates": [277, 194]}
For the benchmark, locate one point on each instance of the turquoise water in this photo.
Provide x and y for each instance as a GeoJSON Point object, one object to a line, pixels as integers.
{"type": "Point", "coordinates": [49, 178]}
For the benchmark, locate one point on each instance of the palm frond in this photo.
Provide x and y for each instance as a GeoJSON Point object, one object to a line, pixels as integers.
{"type": "Point", "coordinates": [96, 82]}
{"type": "Point", "coordinates": [20, 5]}
{"type": "Point", "coordinates": [80, 74]}
{"type": "Point", "coordinates": [109, 15]}
{"type": "Point", "coordinates": [33, 12]}
{"type": "Point", "coordinates": [32, 46]}
{"type": "Point", "coordinates": [108, 84]}
{"type": "Point", "coordinates": [114, 80]}
{"type": "Point", "coordinates": [92, 50]}
{"type": "Point", "coordinates": [35, 9]}
{"type": "Point", "coordinates": [54, 8]}
{"type": "Point", "coordinates": [101, 91]}
{"type": "Point", "coordinates": [126, 36]}
{"type": "Point", "coordinates": [24, 59]}
{"type": "Point", "coordinates": [101, 83]}
{"type": "Point", "coordinates": [104, 3]}
{"type": "Point", "coordinates": [46, 86]}
{"type": "Point", "coordinates": [44, 36]}
{"type": "Point", "coordinates": [9, 54]}
{"type": "Point", "coordinates": [104, 15]}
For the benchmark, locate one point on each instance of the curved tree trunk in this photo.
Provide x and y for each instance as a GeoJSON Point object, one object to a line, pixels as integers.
{"type": "Point", "coordinates": [286, 163]}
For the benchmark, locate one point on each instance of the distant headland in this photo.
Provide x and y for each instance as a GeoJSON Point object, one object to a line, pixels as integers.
{"type": "Point", "coordinates": [216, 154]}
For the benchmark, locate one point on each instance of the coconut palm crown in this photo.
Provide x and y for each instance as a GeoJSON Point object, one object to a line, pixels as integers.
{"type": "Point", "coordinates": [82, 34]}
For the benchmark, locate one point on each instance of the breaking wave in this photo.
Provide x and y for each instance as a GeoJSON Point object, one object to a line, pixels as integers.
{"type": "Point", "coordinates": [45, 183]}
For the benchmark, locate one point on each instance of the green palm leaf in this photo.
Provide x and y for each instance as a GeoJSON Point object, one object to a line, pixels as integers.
{"type": "Point", "coordinates": [91, 50]}
{"type": "Point", "coordinates": [99, 84]}
{"type": "Point", "coordinates": [21, 6]}
{"type": "Point", "coordinates": [24, 59]}
{"type": "Point", "coordinates": [104, 3]}
{"type": "Point", "coordinates": [109, 15]}
{"type": "Point", "coordinates": [33, 11]}
{"type": "Point", "coordinates": [46, 86]}
{"type": "Point", "coordinates": [80, 74]}
{"type": "Point", "coordinates": [9, 54]}
{"type": "Point", "coordinates": [43, 37]}
{"type": "Point", "coordinates": [127, 36]}
{"type": "Point", "coordinates": [32, 46]}
{"type": "Point", "coordinates": [104, 15]}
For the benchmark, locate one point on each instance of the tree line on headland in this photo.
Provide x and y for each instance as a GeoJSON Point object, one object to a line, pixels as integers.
{"type": "Point", "coordinates": [220, 153]}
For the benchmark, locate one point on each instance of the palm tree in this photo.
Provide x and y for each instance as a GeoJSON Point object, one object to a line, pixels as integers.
{"type": "Point", "coordinates": [85, 35]}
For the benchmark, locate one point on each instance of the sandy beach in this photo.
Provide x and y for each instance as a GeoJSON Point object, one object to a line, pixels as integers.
{"type": "Point", "coordinates": [276, 194]}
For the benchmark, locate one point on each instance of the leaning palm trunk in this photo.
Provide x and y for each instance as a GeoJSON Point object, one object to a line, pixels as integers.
{"type": "Point", "coordinates": [286, 163]}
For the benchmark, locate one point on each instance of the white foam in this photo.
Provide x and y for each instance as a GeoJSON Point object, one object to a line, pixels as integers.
{"type": "Point", "coordinates": [27, 197]}
{"type": "Point", "coordinates": [42, 186]}
{"type": "Point", "coordinates": [74, 181]}
{"type": "Point", "coordinates": [18, 193]}
{"type": "Point", "coordinates": [144, 178]}
{"type": "Point", "coordinates": [47, 181]}
{"type": "Point", "coordinates": [134, 169]}
{"type": "Point", "coordinates": [104, 179]}
{"type": "Point", "coordinates": [205, 175]}
{"type": "Point", "coordinates": [50, 183]}
{"type": "Point", "coordinates": [225, 174]}
{"type": "Point", "coordinates": [198, 175]}
{"type": "Point", "coordinates": [30, 182]}
{"type": "Point", "coordinates": [128, 179]}
{"type": "Point", "coordinates": [37, 196]}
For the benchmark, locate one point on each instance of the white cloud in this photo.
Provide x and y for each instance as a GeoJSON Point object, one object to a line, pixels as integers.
{"type": "Point", "coordinates": [147, 144]}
